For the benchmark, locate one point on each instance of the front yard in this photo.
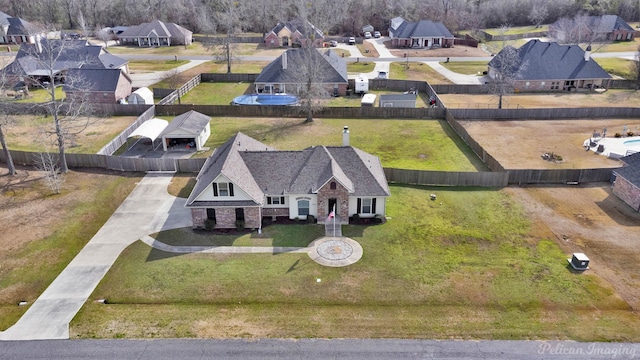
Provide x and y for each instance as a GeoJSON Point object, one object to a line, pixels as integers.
{"type": "Point", "coordinates": [466, 266]}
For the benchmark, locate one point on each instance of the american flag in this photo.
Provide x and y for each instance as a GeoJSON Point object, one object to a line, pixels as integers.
{"type": "Point", "coordinates": [332, 214]}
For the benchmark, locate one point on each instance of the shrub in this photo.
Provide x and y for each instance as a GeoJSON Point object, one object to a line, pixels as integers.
{"type": "Point", "coordinates": [617, 135]}
{"type": "Point", "coordinates": [210, 224]}
{"type": "Point", "coordinates": [356, 218]}
{"type": "Point", "coordinates": [311, 219]}
{"type": "Point", "coordinates": [379, 219]}
{"type": "Point", "coordinates": [630, 133]}
{"type": "Point", "coordinates": [239, 225]}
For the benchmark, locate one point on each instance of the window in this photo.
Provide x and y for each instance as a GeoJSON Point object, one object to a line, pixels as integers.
{"type": "Point", "coordinates": [333, 185]}
{"type": "Point", "coordinates": [555, 85]}
{"type": "Point", "coordinates": [303, 207]}
{"type": "Point", "coordinates": [222, 189]}
{"type": "Point", "coordinates": [275, 200]}
{"type": "Point", "coordinates": [211, 214]}
{"type": "Point", "coordinates": [366, 205]}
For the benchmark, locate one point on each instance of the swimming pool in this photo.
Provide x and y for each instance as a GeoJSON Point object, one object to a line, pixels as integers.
{"type": "Point", "coordinates": [633, 145]}
{"type": "Point", "coordinates": [266, 99]}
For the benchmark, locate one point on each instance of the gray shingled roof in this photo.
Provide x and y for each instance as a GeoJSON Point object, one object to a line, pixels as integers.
{"type": "Point", "coordinates": [155, 29]}
{"type": "Point", "coordinates": [631, 171]}
{"type": "Point", "coordinates": [551, 61]}
{"type": "Point", "coordinates": [92, 80]}
{"type": "Point", "coordinates": [16, 26]}
{"type": "Point", "coordinates": [292, 172]}
{"type": "Point", "coordinates": [33, 59]}
{"type": "Point", "coordinates": [332, 66]}
{"type": "Point", "coordinates": [420, 29]}
{"type": "Point", "coordinates": [191, 121]}
{"type": "Point", "coordinates": [608, 23]}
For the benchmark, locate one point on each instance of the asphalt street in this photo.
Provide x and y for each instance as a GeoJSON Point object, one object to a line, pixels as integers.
{"type": "Point", "coordinates": [311, 349]}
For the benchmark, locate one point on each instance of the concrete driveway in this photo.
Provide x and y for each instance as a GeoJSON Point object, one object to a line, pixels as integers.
{"type": "Point", "coordinates": [148, 209]}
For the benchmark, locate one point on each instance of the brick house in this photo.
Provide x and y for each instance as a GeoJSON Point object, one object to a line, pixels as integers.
{"type": "Point", "coordinates": [292, 33]}
{"type": "Point", "coordinates": [424, 34]}
{"type": "Point", "coordinates": [592, 29]}
{"type": "Point", "coordinates": [244, 181]}
{"type": "Point", "coordinates": [108, 86]}
{"type": "Point", "coordinates": [626, 185]}
{"type": "Point", "coordinates": [17, 31]}
{"type": "Point", "coordinates": [156, 33]}
{"type": "Point", "coordinates": [548, 66]}
{"type": "Point", "coordinates": [281, 75]}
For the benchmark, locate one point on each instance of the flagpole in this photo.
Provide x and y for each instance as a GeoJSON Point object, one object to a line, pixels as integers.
{"type": "Point", "coordinates": [334, 220]}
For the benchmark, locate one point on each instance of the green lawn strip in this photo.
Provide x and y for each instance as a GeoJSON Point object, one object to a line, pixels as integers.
{"type": "Point", "coordinates": [360, 67]}
{"type": "Point", "coordinates": [43, 95]}
{"type": "Point", "coordinates": [416, 71]}
{"type": "Point", "coordinates": [466, 265]}
{"type": "Point", "coordinates": [617, 66]}
{"type": "Point", "coordinates": [517, 30]}
{"type": "Point", "coordinates": [29, 270]}
{"type": "Point", "coordinates": [616, 46]}
{"type": "Point", "coordinates": [216, 93]}
{"type": "Point", "coordinates": [402, 144]}
{"type": "Point", "coordinates": [154, 65]}
{"type": "Point", "coordinates": [466, 67]}
{"type": "Point", "coordinates": [272, 235]}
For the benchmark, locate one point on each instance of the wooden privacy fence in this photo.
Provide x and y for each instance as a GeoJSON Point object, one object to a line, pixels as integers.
{"type": "Point", "coordinates": [447, 178]}
{"type": "Point", "coordinates": [559, 176]}
{"type": "Point", "coordinates": [545, 113]}
{"type": "Point", "coordinates": [121, 139]}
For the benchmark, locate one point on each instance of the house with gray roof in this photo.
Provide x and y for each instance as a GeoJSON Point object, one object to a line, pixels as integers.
{"type": "Point", "coordinates": [156, 33]}
{"type": "Point", "coordinates": [37, 63]}
{"type": "Point", "coordinates": [548, 66]}
{"type": "Point", "coordinates": [17, 31]}
{"type": "Point", "coordinates": [98, 86]}
{"type": "Point", "coordinates": [296, 32]}
{"type": "Point", "coordinates": [282, 74]}
{"type": "Point", "coordinates": [626, 185]}
{"type": "Point", "coordinates": [423, 34]}
{"type": "Point", "coordinates": [592, 29]}
{"type": "Point", "coordinates": [188, 131]}
{"type": "Point", "coordinates": [245, 181]}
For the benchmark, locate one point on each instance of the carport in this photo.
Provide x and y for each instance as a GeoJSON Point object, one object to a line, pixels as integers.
{"type": "Point", "coordinates": [188, 131]}
{"type": "Point", "coordinates": [150, 129]}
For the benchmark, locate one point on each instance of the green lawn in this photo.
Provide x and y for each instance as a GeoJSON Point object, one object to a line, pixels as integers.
{"type": "Point", "coordinates": [416, 71]}
{"type": "Point", "coordinates": [517, 30]}
{"type": "Point", "coordinates": [403, 144]}
{"type": "Point", "coordinates": [154, 65]}
{"type": "Point", "coordinates": [216, 93]}
{"type": "Point", "coordinates": [360, 67]}
{"type": "Point", "coordinates": [466, 67]}
{"type": "Point", "coordinates": [458, 267]}
{"type": "Point", "coordinates": [43, 95]}
{"type": "Point", "coordinates": [617, 66]}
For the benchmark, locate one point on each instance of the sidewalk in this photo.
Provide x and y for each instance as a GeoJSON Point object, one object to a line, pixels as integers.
{"type": "Point", "coordinates": [148, 209]}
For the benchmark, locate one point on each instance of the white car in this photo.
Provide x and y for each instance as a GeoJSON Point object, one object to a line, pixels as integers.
{"type": "Point", "coordinates": [376, 34]}
{"type": "Point", "coordinates": [367, 35]}
{"type": "Point", "coordinates": [383, 75]}
{"type": "Point", "coordinates": [352, 41]}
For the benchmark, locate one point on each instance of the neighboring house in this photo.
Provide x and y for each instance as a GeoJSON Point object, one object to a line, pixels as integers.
{"type": "Point", "coordinates": [281, 75]}
{"type": "Point", "coordinates": [156, 33]}
{"type": "Point", "coordinates": [244, 181]}
{"type": "Point", "coordinates": [293, 33]}
{"type": "Point", "coordinates": [187, 131]}
{"type": "Point", "coordinates": [108, 86]}
{"type": "Point", "coordinates": [424, 34]}
{"type": "Point", "coordinates": [626, 185]}
{"type": "Point", "coordinates": [17, 31]}
{"type": "Point", "coordinates": [398, 100]}
{"type": "Point", "coordinates": [548, 66]}
{"type": "Point", "coordinates": [592, 28]}
{"type": "Point", "coordinates": [35, 63]}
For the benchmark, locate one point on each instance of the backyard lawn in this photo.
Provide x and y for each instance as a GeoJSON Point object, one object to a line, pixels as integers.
{"type": "Point", "coordinates": [416, 71]}
{"type": "Point", "coordinates": [463, 267]}
{"type": "Point", "coordinates": [138, 66]}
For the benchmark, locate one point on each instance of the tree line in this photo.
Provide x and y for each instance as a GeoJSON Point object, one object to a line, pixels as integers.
{"type": "Point", "coordinates": [259, 16]}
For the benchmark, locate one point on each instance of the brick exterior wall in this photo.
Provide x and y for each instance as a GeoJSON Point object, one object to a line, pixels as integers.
{"type": "Point", "coordinates": [341, 194]}
{"type": "Point", "coordinates": [226, 218]}
{"type": "Point", "coordinates": [627, 192]}
{"type": "Point", "coordinates": [266, 212]}
{"type": "Point", "coordinates": [198, 216]}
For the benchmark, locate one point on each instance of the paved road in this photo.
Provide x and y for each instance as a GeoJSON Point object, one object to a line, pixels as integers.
{"type": "Point", "coordinates": [311, 349]}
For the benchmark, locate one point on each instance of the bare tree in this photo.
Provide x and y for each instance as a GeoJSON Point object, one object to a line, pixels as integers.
{"type": "Point", "coordinates": [103, 35]}
{"type": "Point", "coordinates": [538, 14]}
{"type": "Point", "coordinates": [173, 79]}
{"type": "Point", "coordinates": [227, 16]}
{"type": "Point", "coordinates": [50, 168]}
{"type": "Point", "coordinates": [505, 70]}
{"type": "Point", "coordinates": [635, 69]}
{"type": "Point", "coordinates": [6, 120]}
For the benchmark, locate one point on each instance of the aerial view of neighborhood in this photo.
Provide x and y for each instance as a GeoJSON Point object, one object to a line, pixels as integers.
{"type": "Point", "coordinates": [361, 169]}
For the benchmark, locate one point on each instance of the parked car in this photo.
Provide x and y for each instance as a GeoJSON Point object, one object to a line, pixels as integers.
{"type": "Point", "coordinates": [352, 41]}
{"type": "Point", "coordinates": [383, 75]}
{"type": "Point", "coordinates": [367, 35]}
{"type": "Point", "coordinates": [333, 43]}
{"type": "Point", "coordinates": [376, 34]}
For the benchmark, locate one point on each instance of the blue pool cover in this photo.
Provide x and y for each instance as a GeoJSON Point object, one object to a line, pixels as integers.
{"type": "Point", "coordinates": [265, 99]}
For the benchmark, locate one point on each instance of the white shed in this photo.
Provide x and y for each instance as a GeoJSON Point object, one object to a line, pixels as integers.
{"type": "Point", "coordinates": [362, 84]}
{"type": "Point", "coordinates": [368, 100]}
{"type": "Point", "coordinates": [141, 96]}
{"type": "Point", "coordinates": [187, 131]}
{"type": "Point", "coordinates": [398, 100]}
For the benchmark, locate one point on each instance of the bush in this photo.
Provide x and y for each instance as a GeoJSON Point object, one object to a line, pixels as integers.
{"type": "Point", "coordinates": [239, 225]}
{"type": "Point", "coordinates": [311, 219]}
{"type": "Point", "coordinates": [630, 133]}
{"type": "Point", "coordinates": [379, 219]}
{"type": "Point", "coordinates": [356, 218]}
{"type": "Point", "coordinates": [210, 224]}
{"type": "Point", "coordinates": [618, 135]}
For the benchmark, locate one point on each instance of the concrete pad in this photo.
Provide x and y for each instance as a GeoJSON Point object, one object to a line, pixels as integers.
{"type": "Point", "coordinates": [335, 251]}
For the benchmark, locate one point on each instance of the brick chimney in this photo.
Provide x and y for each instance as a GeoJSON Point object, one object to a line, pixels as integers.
{"type": "Point", "coordinates": [345, 136]}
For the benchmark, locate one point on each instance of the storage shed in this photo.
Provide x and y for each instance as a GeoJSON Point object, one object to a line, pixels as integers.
{"type": "Point", "coordinates": [398, 100]}
{"type": "Point", "coordinates": [579, 261]}
{"type": "Point", "coordinates": [368, 100]}
{"type": "Point", "coordinates": [143, 95]}
{"type": "Point", "coordinates": [187, 131]}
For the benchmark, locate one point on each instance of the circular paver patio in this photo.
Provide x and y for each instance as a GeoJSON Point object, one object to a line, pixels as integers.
{"type": "Point", "coordinates": [335, 251]}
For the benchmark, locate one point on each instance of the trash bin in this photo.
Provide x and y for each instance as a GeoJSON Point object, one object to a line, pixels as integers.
{"type": "Point", "coordinates": [348, 92]}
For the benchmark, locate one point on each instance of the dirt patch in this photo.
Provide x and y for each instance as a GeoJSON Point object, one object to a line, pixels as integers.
{"type": "Point", "coordinates": [589, 219]}
{"type": "Point", "coordinates": [521, 144]}
{"type": "Point", "coordinates": [456, 51]}
{"type": "Point", "coordinates": [611, 98]}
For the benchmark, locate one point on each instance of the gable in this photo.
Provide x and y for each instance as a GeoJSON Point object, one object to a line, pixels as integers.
{"type": "Point", "coordinates": [333, 68]}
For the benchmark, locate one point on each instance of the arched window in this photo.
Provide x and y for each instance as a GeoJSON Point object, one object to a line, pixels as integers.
{"type": "Point", "coordinates": [333, 185]}
{"type": "Point", "coordinates": [303, 207]}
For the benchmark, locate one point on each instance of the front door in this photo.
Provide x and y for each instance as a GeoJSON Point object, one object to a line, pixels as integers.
{"type": "Point", "coordinates": [331, 205]}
